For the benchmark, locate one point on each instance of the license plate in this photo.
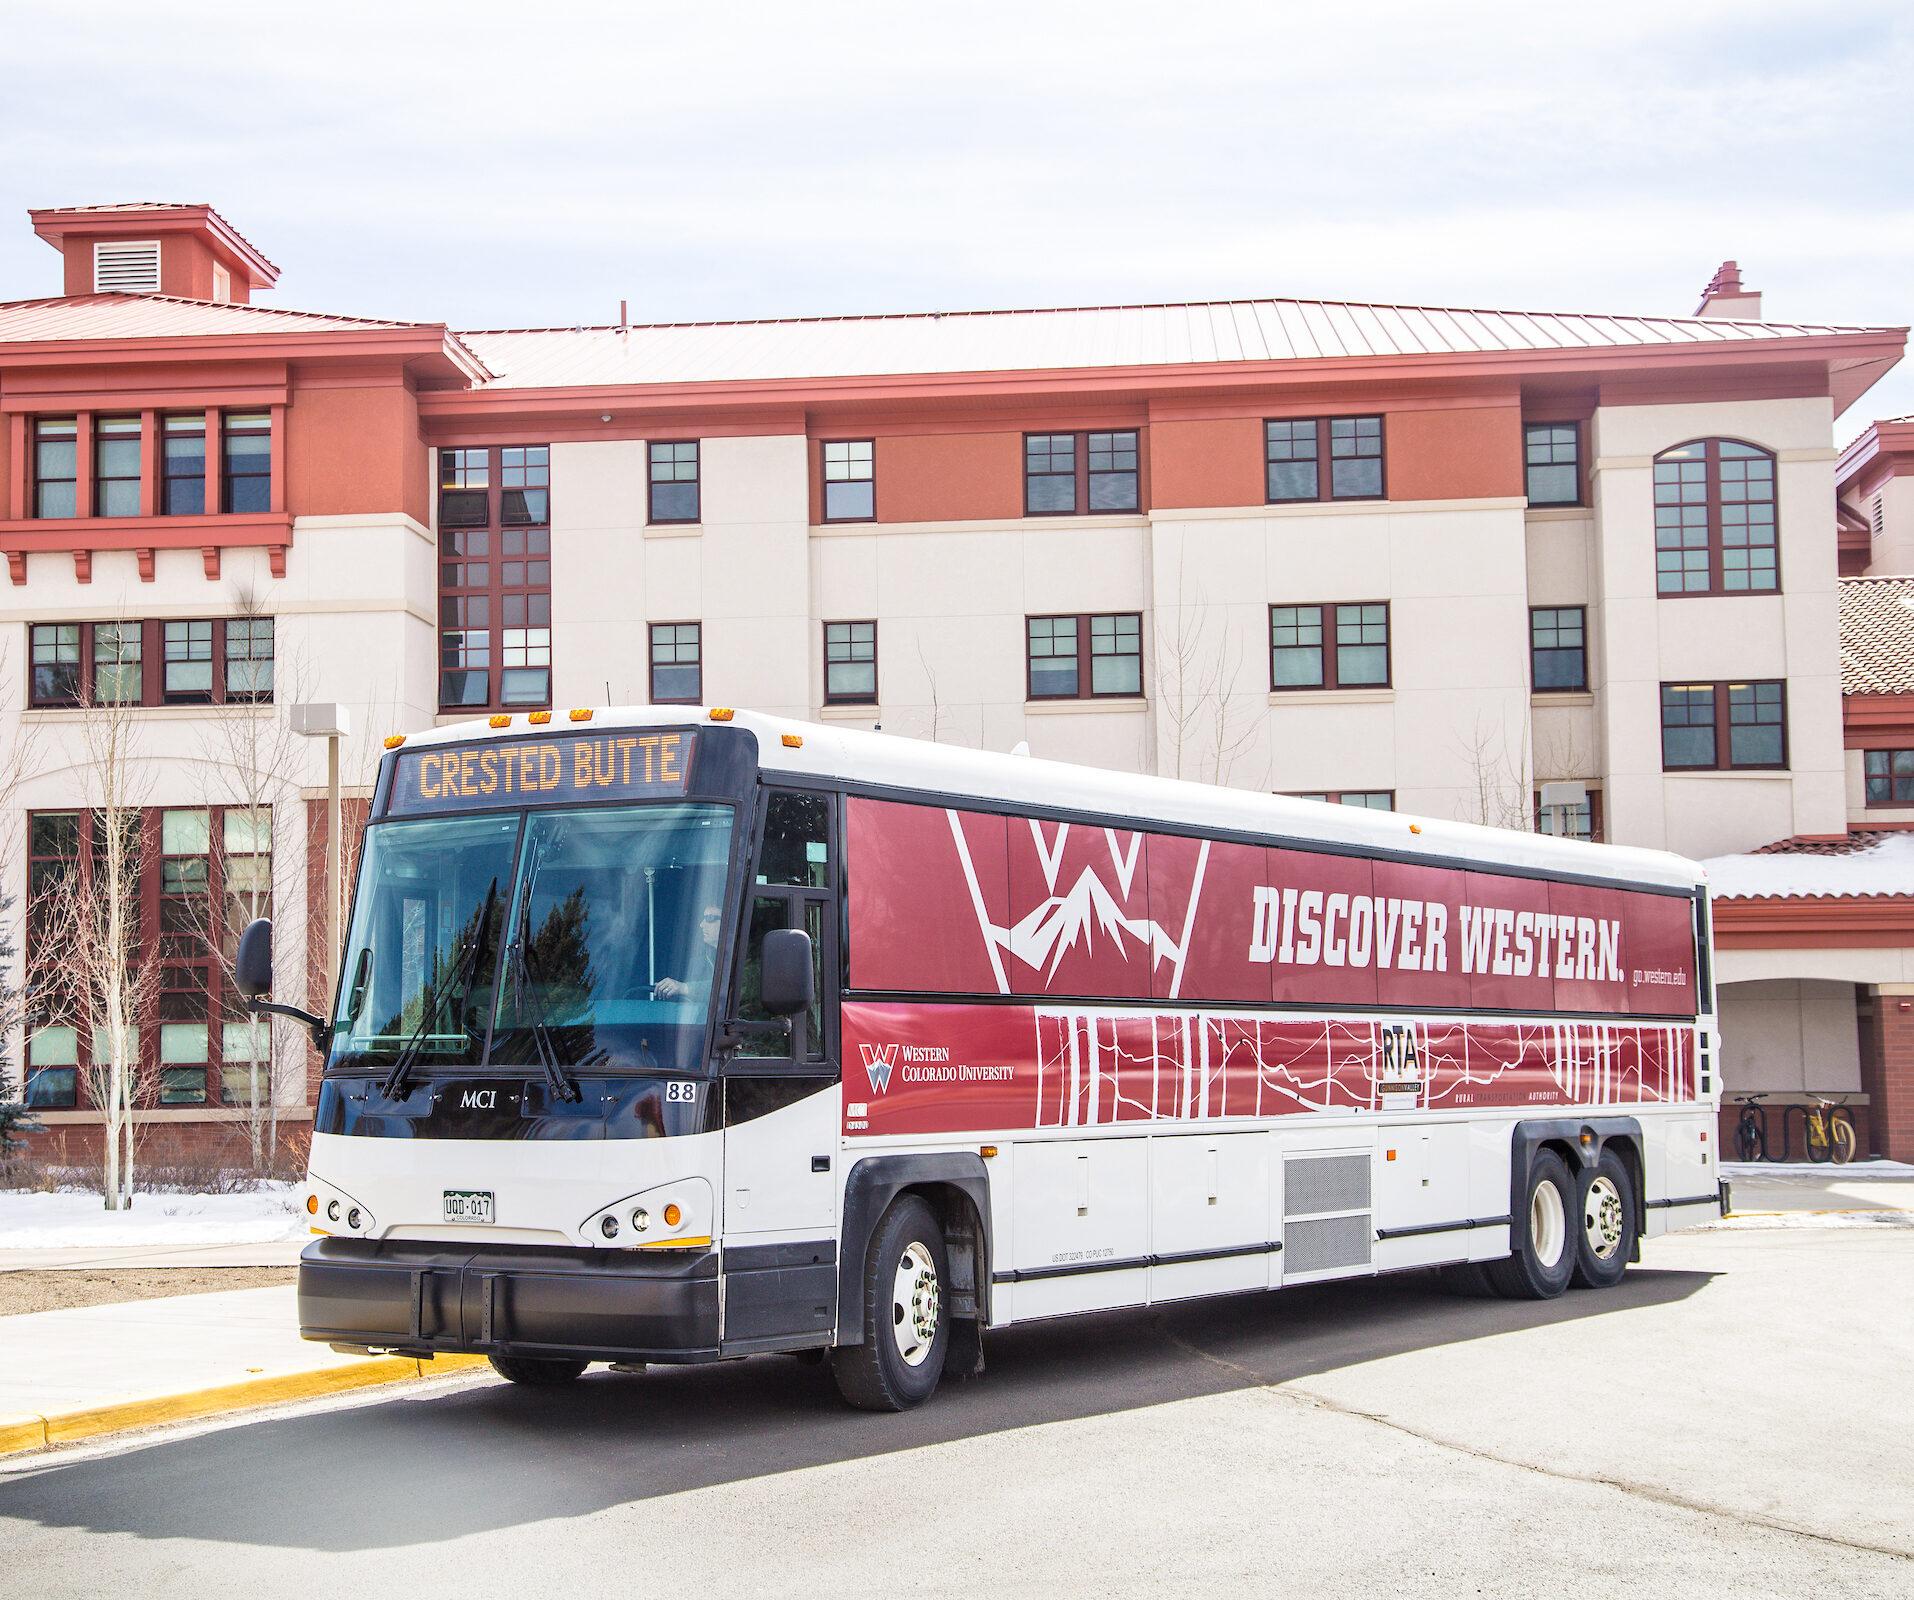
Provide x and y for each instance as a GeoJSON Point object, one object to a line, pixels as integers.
{"type": "Point", "coordinates": [468, 1205]}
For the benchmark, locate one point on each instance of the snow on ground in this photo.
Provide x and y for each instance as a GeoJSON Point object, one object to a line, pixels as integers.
{"type": "Point", "coordinates": [51, 1221]}
{"type": "Point", "coordinates": [1743, 1221]}
{"type": "Point", "coordinates": [1854, 1169]}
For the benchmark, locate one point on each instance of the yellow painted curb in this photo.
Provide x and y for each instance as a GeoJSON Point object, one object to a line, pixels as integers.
{"type": "Point", "coordinates": [28, 1432]}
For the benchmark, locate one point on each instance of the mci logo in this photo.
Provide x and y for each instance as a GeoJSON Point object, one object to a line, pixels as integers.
{"type": "Point", "coordinates": [878, 1061]}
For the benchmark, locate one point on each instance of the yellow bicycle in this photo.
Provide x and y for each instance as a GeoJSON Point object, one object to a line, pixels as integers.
{"type": "Point", "coordinates": [1827, 1132]}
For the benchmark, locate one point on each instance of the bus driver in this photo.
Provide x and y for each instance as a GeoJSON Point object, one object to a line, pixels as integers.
{"type": "Point", "coordinates": [696, 983]}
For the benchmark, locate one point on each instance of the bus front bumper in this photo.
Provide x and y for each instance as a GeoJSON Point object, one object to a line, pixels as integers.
{"type": "Point", "coordinates": [419, 1298]}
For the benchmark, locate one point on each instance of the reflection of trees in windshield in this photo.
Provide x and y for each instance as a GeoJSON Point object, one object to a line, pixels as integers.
{"type": "Point", "coordinates": [558, 984]}
{"type": "Point", "coordinates": [467, 1004]}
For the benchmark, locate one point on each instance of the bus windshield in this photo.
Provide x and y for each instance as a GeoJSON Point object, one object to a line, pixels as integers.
{"type": "Point", "coordinates": [587, 937]}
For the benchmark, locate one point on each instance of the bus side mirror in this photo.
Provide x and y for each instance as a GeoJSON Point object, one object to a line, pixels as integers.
{"type": "Point", "coordinates": [252, 966]}
{"type": "Point", "coordinates": [785, 983]}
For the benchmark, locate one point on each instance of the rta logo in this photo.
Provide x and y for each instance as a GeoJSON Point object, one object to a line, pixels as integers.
{"type": "Point", "coordinates": [479, 1100]}
{"type": "Point", "coordinates": [878, 1061]}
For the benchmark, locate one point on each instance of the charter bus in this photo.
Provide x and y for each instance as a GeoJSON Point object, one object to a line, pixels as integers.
{"type": "Point", "coordinates": [682, 1034]}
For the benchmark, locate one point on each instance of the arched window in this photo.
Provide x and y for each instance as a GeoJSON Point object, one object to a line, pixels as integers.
{"type": "Point", "coordinates": [1715, 519]}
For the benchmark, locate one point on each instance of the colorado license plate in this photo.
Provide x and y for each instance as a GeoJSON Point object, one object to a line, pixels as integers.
{"type": "Point", "coordinates": [468, 1205]}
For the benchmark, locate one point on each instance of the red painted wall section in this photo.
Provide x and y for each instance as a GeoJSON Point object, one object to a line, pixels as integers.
{"type": "Point", "coordinates": [949, 477]}
{"type": "Point", "coordinates": [1209, 462]}
{"type": "Point", "coordinates": [1453, 455]}
{"type": "Point", "coordinates": [186, 266]}
{"type": "Point", "coordinates": [355, 450]}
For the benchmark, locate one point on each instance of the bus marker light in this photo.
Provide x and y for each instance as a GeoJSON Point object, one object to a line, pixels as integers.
{"type": "Point", "coordinates": [722, 713]}
{"type": "Point", "coordinates": [312, 1205]}
{"type": "Point", "coordinates": [609, 1227]}
{"type": "Point", "coordinates": [1415, 827]}
{"type": "Point", "coordinates": [1388, 1155]}
{"type": "Point", "coordinates": [579, 714]}
{"type": "Point", "coordinates": [498, 720]}
{"type": "Point", "coordinates": [394, 740]}
{"type": "Point", "coordinates": [986, 1151]}
{"type": "Point", "coordinates": [538, 718]}
{"type": "Point", "coordinates": [673, 1216]}
{"type": "Point", "coordinates": [793, 741]}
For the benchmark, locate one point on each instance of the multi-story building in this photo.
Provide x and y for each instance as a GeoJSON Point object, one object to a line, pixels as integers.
{"type": "Point", "coordinates": [1419, 557]}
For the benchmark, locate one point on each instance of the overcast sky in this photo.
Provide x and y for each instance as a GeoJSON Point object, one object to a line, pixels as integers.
{"type": "Point", "coordinates": [495, 165]}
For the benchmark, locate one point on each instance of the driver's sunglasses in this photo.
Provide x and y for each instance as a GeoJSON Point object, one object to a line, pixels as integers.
{"type": "Point", "coordinates": [712, 916]}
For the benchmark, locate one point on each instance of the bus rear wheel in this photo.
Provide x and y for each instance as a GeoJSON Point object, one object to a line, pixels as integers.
{"type": "Point", "coordinates": [906, 1319]}
{"type": "Point", "coordinates": [1542, 1245]}
{"type": "Point", "coordinates": [537, 1372]}
{"type": "Point", "coordinates": [1605, 1241]}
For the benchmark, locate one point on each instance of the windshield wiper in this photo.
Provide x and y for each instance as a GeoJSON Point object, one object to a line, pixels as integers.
{"type": "Point", "coordinates": [394, 1084]}
{"type": "Point", "coordinates": [525, 1000]}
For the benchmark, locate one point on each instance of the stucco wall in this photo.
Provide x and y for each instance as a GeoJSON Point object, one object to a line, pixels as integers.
{"type": "Point", "coordinates": [1789, 1034]}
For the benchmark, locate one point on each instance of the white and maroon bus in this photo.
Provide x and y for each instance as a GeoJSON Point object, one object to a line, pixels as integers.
{"type": "Point", "coordinates": [670, 1035]}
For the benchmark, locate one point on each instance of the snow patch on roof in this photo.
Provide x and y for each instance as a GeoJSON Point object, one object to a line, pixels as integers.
{"type": "Point", "coordinates": [1865, 864]}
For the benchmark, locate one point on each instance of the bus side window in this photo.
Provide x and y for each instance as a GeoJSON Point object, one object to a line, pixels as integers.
{"type": "Point", "coordinates": [767, 912]}
{"type": "Point", "coordinates": [797, 831]}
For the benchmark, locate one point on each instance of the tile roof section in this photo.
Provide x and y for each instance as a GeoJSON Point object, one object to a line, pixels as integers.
{"type": "Point", "coordinates": [1866, 864]}
{"type": "Point", "coordinates": [1073, 337]}
{"type": "Point", "coordinates": [1877, 635]}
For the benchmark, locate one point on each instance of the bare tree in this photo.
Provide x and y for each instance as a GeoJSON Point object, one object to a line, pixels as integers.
{"type": "Point", "coordinates": [1499, 775]}
{"type": "Point", "coordinates": [16, 760]}
{"type": "Point", "coordinates": [94, 971]}
{"type": "Point", "coordinates": [249, 761]}
{"type": "Point", "coordinates": [1204, 729]}
{"type": "Point", "coordinates": [930, 678]}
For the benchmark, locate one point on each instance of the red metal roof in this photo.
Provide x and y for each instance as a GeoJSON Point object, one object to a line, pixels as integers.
{"type": "Point", "coordinates": [1078, 337]}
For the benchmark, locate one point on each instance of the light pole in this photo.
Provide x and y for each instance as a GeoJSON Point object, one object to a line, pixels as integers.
{"type": "Point", "coordinates": [329, 721]}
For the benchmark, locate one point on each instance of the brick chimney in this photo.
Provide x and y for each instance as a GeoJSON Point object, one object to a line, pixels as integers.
{"type": "Point", "coordinates": [1725, 297]}
{"type": "Point", "coordinates": [149, 247]}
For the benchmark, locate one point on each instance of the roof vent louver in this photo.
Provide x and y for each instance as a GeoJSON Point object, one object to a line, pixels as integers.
{"type": "Point", "coordinates": [130, 266]}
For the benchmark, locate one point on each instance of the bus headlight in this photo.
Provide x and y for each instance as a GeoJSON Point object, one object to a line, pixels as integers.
{"type": "Point", "coordinates": [609, 1227]}
{"type": "Point", "coordinates": [641, 1219]}
{"type": "Point", "coordinates": [681, 1213]}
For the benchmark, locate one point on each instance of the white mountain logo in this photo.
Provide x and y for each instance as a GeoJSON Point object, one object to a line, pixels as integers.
{"type": "Point", "coordinates": [878, 1061]}
{"type": "Point", "coordinates": [1045, 935]}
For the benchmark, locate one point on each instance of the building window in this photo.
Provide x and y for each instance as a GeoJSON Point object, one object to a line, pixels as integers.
{"type": "Point", "coordinates": [183, 477]}
{"type": "Point", "coordinates": [56, 467]}
{"type": "Point", "coordinates": [1724, 726]}
{"type": "Point", "coordinates": [1583, 821]}
{"type": "Point", "coordinates": [1558, 649]}
{"type": "Point", "coordinates": [116, 467]}
{"type": "Point", "coordinates": [850, 662]}
{"type": "Point", "coordinates": [1552, 453]}
{"type": "Point", "coordinates": [246, 438]}
{"type": "Point", "coordinates": [202, 662]}
{"type": "Point", "coordinates": [188, 661]}
{"type": "Point", "coordinates": [677, 663]}
{"type": "Point", "coordinates": [1058, 646]}
{"type": "Point", "coordinates": [57, 679]}
{"type": "Point", "coordinates": [1068, 473]}
{"type": "Point", "coordinates": [1715, 530]}
{"type": "Point", "coordinates": [249, 643]}
{"type": "Point", "coordinates": [495, 577]}
{"type": "Point", "coordinates": [1361, 799]}
{"type": "Point", "coordinates": [1305, 456]}
{"type": "Point", "coordinates": [850, 486]}
{"type": "Point", "coordinates": [674, 481]}
{"type": "Point", "coordinates": [210, 873]}
{"type": "Point", "coordinates": [1890, 777]}
{"type": "Point", "coordinates": [1356, 657]}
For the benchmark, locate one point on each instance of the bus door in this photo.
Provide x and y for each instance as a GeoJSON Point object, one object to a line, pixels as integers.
{"type": "Point", "coordinates": [781, 1083]}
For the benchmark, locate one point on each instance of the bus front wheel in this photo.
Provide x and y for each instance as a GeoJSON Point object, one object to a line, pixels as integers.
{"type": "Point", "coordinates": [1542, 1245]}
{"type": "Point", "coordinates": [906, 1315]}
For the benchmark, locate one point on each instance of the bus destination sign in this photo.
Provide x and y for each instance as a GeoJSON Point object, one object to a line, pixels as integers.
{"type": "Point", "coordinates": [565, 770]}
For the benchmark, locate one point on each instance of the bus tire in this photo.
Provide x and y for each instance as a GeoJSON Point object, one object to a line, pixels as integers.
{"type": "Point", "coordinates": [906, 1314]}
{"type": "Point", "coordinates": [537, 1372]}
{"type": "Point", "coordinates": [1605, 1241]}
{"type": "Point", "coordinates": [1541, 1239]}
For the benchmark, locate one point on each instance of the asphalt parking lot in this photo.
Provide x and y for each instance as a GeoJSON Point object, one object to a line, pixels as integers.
{"type": "Point", "coordinates": [1737, 1418]}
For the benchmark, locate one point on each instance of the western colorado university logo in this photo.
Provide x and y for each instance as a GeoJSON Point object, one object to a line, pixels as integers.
{"type": "Point", "coordinates": [878, 1061]}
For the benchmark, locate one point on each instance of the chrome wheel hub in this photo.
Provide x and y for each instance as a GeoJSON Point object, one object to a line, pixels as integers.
{"type": "Point", "coordinates": [916, 1302]}
{"type": "Point", "coordinates": [1602, 1218]}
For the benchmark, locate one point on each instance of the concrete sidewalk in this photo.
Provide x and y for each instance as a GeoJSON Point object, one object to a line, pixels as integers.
{"type": "Point", "coordinates": [74, 1374]}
